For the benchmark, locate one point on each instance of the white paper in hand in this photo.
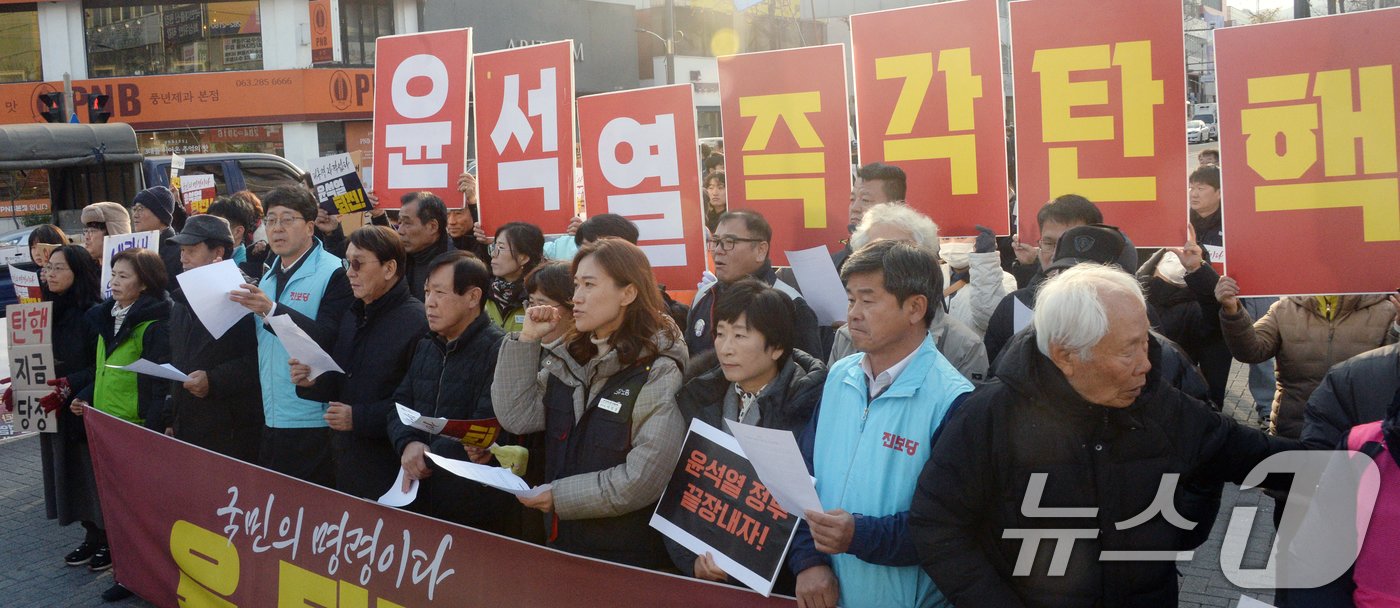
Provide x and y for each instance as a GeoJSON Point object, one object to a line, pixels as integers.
{"type": "Point", "coordinates": [396, 497]}
{"type": "Point", "coordinates": [418, 421]}
{"type": "Point", "coordinates": [779, 464]}
{"type": "Point", "coordinates": [164, 371]}
{"type": "Point", "coordinates": [1021, 315]}
{"type": "Point", "coordinates": [496, 477]}
{"type": "Point", "coordinates": [821, 285]}
{"type": "Point", "coordinates": [207, 289]}
{"type": "Point", "coordinates": [301, 347]}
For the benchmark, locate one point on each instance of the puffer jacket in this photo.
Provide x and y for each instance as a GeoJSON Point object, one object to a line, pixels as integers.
{"type": "Point", "coordinates": [1304, 345]}
{"type": "Point", "coordinates": [1354, 392]}
{"type": "Point", "coordinates": [1030, 420]}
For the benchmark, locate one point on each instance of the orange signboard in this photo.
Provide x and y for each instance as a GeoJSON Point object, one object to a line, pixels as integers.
{"type": "Point", "coordinates": [1311, 181]}
{"type": "Point", "coordinates": [322, 32]}
{"type": "Point", "coordinates": [1100, 112]}
{"type": "Point", "coordinates": [150, 103]}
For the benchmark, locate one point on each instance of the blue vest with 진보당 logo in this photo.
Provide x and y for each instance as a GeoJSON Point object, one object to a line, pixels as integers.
{"type": "Point", "coordinates": [282, 409]}
{"type": "Point", "coordinates": [867, 456]}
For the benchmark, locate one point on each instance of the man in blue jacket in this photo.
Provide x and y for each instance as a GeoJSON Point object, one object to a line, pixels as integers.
{"type": "Point", "coordinates": [309, 285]}
{"type": "Point", "coordinates": [879, 416]}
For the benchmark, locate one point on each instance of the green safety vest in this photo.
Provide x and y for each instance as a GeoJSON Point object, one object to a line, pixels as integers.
{"type": "Point", "coordinates": [114, 390]}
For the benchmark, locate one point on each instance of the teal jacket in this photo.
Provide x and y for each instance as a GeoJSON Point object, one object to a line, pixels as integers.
{"type": "Point", "coordinates": [867, 456]}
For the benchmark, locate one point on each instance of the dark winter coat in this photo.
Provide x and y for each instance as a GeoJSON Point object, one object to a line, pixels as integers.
{"type": "Point", "coordinates": [170, 255]}
{"type": "Point", "coordinates": [1030, 420]}
{"type": "Point", "coordinates": [1189, 316]}
{"type": "Point", "coordinates": [700, 328]}
{"type": "Point", "coordinates": [69, 494]}
{"type": "Point", "coordinates": [229, 420]}
{"type": "Point", "coordinates": [375, 346]}
{"type": "Point", "coordinates": [418, 264]}
{"type": "Point", "coordinates": [1355, 391]}
{"type": "Point", "coordinates": [453, 380]}
{"type": "Point", "coordinates": [74, 355]}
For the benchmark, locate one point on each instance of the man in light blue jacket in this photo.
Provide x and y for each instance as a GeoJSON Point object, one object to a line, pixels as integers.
{"type": "Point", "coordinates": [880, 413]}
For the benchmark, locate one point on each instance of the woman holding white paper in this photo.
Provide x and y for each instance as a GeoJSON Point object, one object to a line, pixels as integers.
{"type": "Point", "coordinates": [605, 398]}
{"type": "Point", "coordinates": [131, 325]}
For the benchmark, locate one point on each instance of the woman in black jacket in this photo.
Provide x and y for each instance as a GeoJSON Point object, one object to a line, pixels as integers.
{"type": "Point", "coordinates": [759, 379]}
{"type": "Point", "coordinates": [71, 284]}
{"type": "Point", "coordinates": [375, 345]}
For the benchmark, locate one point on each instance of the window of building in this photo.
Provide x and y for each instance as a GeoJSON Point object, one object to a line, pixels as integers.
{"type": "Point", "coordinates": [19, 43]}
{"type": "Point", "coordinates": [127, 40]}
{"type": "Point", "coordinates": [361, 22]}
{"type": "Point", "coordinates": [266, 139]}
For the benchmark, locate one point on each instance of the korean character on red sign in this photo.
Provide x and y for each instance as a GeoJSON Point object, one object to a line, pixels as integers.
{"type": "Point", "coordinates": [712, 509]}
{"type": "Point", "coordinates": [692, 498]}
{"type": "Point", "coordinates": [696, 463]}
{"type": "Point", "coordinates": [760, 500]}
{"type": "Point", "coordinates": [1347, 106]}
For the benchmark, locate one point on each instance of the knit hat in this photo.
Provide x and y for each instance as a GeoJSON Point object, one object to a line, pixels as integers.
{"type": "Point", "coordinates": [159, 200]}
{"type": "Point", "coordinates": [113, 215]}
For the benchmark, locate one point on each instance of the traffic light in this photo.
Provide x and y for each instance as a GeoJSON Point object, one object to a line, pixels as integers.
{"type": "Point", "coordinates": [99, 108]}
{"type": "Point", "coordinates": [53, 107]}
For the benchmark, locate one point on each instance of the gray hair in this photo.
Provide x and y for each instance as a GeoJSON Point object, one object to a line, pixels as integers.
{"type": "Point", "coordinates": [908, 271]}
{"type": "Point", "coordinates": [1069, 309]}
{"type": "Point", "coordinates": [924, 230]}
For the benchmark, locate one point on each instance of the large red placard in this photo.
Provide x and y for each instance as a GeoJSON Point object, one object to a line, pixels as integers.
{"type": "Point", "coordinates": [641, 161]}
{"type": "Point", "coordinates": [1311, 192]}
{"type": "Point", "coordinates": [1101, 112]}
{"type": "Point", "coordinates": [787, 143]}
{"type": "Point", "coordinates": [929, 100]}
{"type": "Point", "coordinates": [525, 136]}
{"type": "Point", "coordinates": [420, 114]}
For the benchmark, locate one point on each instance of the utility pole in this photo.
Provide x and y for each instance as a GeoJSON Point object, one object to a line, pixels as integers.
{"type": "Point", "coordinates": [670, 41]}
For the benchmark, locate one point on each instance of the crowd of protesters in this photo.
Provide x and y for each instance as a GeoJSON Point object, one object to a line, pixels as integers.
{"type": "Point", "coordinates": [958, 389]}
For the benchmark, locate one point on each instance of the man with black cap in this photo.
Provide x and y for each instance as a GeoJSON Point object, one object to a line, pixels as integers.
{"type": "Point", "coordinates": [154, 209]}
{"type": "Point", "coordinates": [216, 408]}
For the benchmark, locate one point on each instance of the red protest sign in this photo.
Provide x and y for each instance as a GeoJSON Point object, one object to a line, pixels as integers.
{"type": "Point", "coordinates": [1100, 112]}
{"type": "Point", "coordinates": [30, 324]}
{"type": "Point", "coordinates": [246, 536]}
{"type": "Point", "coordinates": [525, 136]}
{"type": "Point", "coordinates": [929, 100]}
{"type": "Point", "coordinates": [641, 161]}
{"type": "Point", "coordinates": [787, 140]}
{"type": "Point", "coordinates": [420, 114]}
{"type": "Point", "coordinates": [1309, 172]}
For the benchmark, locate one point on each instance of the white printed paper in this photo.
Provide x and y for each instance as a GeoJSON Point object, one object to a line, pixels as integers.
{"type": "Point", "coordinates": [1021, 315]}
{"type": "Point", "coordinates": [113, 244]}
{"type": "Point", "coordinates": [164, 371]}
{"type": "Point", "coordinates": [779, 464]}
{"type": "Point", "coordinates": [396, 496]}
{"type": "Point", "coordinates": [418, 421]}
{"type": "Point", "coordinates": [207, 289]}
{"type": "Point", "coordinates": [301, 347]}
{"type": "Point", "coordinates": [496, 477]}
{"type": "Point", "coordinates": [821, 285]}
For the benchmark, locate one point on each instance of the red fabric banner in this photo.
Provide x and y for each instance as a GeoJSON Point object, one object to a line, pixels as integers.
{"type": "Point", "coordinates": [525, 136]}
{"type": "Point", "coordinates": [191, 527]}
{"type": "Point", "coordinates": [787, 143]}
{"type": "Point", "coordinates": [929, 100]}
{"type": "Point", "coordinates": [420, 114]}
{"type": "Point", "coordinates": [1101, 112]}
{"type": "Point", "coordinates": [641, 161]}
{"type": "Point", "coordinates": [1309, 175]}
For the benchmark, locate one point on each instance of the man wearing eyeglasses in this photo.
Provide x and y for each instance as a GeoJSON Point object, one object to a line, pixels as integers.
{"type": "Point", "coordinates": [309, 285]}
{"type": "Point", "coordinates": [740, 247]}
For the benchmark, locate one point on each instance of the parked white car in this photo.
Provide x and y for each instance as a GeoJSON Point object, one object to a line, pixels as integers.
{"type": "Point", "coordinates": [1197, 131]}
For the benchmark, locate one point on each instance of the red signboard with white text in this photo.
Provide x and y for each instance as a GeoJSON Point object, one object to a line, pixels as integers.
{"type": "Point", "coordinates": [525, 136]}
{"type": "Point", "coordinates": [420, 114]}
{"type": "Point", "coordinates": [641, 161]}
{"type": "Point", "coordinates": [1311, 184]}
{"type": "Point", "coordinates": [787, 143]}
{"type": "Point", "coordinates": [929, 101]}
{"type": "Point", "coordinates": [1101, 112]}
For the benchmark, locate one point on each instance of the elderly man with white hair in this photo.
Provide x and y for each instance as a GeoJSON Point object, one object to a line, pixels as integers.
{"type": "Point", "coordinates": [959, 344]}
{"type": "Point", "coordinates": [1070, 446]}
